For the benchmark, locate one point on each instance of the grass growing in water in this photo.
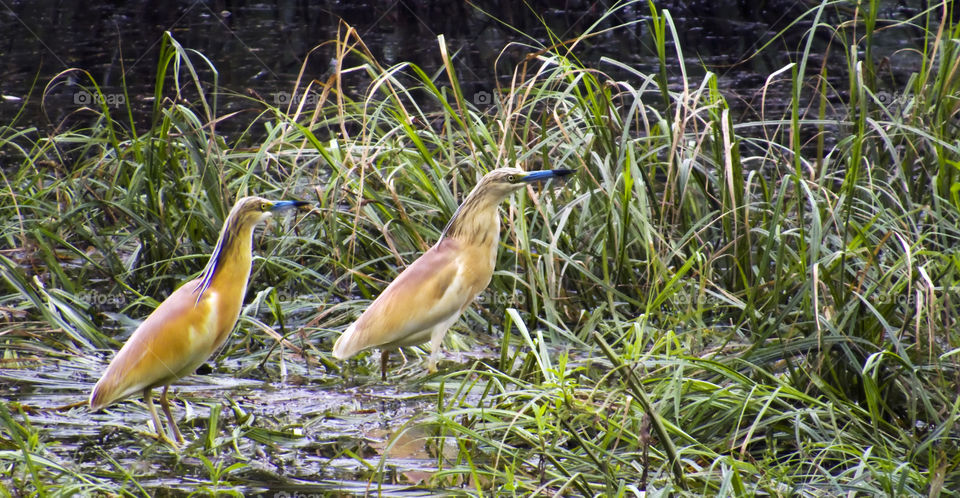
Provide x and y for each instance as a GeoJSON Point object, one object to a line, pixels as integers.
{"type": "Point", "coordinates": [781, 290]}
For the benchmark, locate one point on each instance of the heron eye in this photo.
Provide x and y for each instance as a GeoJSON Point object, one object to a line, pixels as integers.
{"type": "Point", "coordinates": [512, 179]}
{"type": "Point", "coordinates": [263, 206]}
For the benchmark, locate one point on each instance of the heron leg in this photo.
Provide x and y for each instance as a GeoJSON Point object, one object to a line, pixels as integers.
{"type": "Point", "coordinates": [436, 342]}
{"type": "Point", "coordinates": [165, 404]}
{"type": "Point", "coordinates": [384, 356]}
{"type": "Point", "coordinates": [148, 399]}
{"type": "Point", "coordinates": [161, 435]}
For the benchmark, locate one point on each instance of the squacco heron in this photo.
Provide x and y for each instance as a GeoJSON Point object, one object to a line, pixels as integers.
{"type": "Point", "coordinates": [428, 297]}
{"type": "Point", "coordinates": [193, 322]}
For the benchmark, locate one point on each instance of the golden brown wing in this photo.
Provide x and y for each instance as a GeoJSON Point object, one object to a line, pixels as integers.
{"type": "Point", "coordinates": [171, 343]}
{"type": "Point", "coordinates": [431, 290]}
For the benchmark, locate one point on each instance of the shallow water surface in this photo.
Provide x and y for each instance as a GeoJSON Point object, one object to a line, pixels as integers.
{"type": "Point", "coordinates": [314, 431]}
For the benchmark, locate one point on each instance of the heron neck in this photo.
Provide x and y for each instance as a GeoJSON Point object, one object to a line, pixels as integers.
{"type": "Point", "coordinates": [476, 221]}
{"type": "Point", "coordinates": [233, 267]}
{"type": "Point", "coordinates": [229, 265]}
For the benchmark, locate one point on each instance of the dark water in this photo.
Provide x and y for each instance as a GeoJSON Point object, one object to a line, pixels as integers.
{"type": "Point", "coordinates": [259, 48]}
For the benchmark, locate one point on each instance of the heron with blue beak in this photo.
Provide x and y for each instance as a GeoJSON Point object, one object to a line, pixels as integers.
{"type": "Point", "coordinates": [192, 323]}
{"type": "Point", "coordinates": [428, 297]}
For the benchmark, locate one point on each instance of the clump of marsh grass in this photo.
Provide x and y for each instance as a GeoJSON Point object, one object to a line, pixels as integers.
{"type": "Point", "coordinates": [785, 289]}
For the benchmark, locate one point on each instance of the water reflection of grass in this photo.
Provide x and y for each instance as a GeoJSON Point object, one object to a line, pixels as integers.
{"type": "Point", "coordinates": [781, 291]}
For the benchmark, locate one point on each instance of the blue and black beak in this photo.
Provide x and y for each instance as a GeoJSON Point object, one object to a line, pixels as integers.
{"type": "Point", "coordinates": [543, 175]}
{"type": "Point", "coordinates": [279, 206]}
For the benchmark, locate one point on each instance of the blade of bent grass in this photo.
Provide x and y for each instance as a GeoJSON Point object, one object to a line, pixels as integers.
{"type": "Point", "coordinates": [640, 395]}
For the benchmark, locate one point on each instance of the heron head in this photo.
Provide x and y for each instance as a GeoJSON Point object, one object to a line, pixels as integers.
{"type": "Point", "coordinates": [502, 181]}
{"type": "Point", "coordinates": [246, 213]}
{"type": "Point", "coordinates": [252, 210]}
